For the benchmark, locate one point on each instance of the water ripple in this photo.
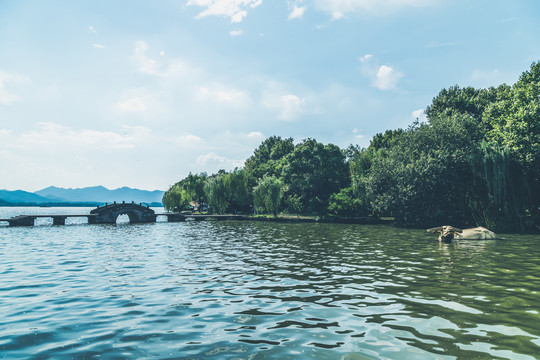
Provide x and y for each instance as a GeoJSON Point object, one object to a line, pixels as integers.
{"type": "Point", "coordinates": [233, 290]}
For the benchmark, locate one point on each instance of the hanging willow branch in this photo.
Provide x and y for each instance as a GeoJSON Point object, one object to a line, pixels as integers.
{"type": "Point", "coordinates": [499, 196]}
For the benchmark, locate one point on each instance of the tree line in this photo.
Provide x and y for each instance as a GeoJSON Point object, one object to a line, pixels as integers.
{"type": "Point", "coordinates": [475, 161]}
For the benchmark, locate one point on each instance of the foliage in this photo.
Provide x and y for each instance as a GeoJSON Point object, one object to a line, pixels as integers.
{"type": "Point", "coordinates": [236, 183]}
{"type": "Point", "coordinates": [267, 158]}
{"type": "Point", "coordinates": [515, 117]}
{"type": "Point", "coordinates": [217, 193]}
{"type": "Point", "coordinates": [194, 186]}
{"type": "Point", "coordinates": [344, 203]}
{"type": "Point", "coordinates": [386, 140]}
{"type": "Point", "coordinates": [267, 194]}
{"type": "Point", "coordinates": [476, 160]}
{"type": "Point", "coordinates": [423, 178]}
{"type": "Point", "coordinates": [189, 189]}
{"type": "Point", "coordinates": [293, 204]}
{"type": "Point", "coordinates": [467, 101]}
{"type": "Point", "coordinates": [360, 163]}
{"type": "Point", "coordinates": [499, 195]}
{"type": "Point", "coordinates": [313, 172]}
{"type": "Point", "coordinates": [175, 199]}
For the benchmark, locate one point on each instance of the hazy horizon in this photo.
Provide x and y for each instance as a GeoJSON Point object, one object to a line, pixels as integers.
{"type": "Point", "coordinates": [85, 187]}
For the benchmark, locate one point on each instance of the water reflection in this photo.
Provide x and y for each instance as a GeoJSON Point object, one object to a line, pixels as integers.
{"type": "Point", "coordinates": [224, 290]}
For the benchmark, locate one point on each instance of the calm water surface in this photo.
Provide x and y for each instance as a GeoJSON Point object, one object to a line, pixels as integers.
{"type": "Point", "coordinates": [250, 290]}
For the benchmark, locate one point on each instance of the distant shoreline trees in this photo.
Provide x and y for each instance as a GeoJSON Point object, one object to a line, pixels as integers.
{"type": "Point", "coordinates": [475, 161]}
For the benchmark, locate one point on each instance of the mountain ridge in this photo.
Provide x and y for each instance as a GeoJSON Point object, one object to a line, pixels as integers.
{"type": "Point", "coordinates": [95, 194]}
{"type": "Point", "coordinates": [21, 196]}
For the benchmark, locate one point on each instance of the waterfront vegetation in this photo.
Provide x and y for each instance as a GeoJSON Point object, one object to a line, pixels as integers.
{"type": "Point", "coordinates": [474, 161]}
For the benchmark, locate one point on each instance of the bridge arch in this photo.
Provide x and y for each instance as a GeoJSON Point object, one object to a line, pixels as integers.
{"type": "Point", "coordinates": [108, 214]}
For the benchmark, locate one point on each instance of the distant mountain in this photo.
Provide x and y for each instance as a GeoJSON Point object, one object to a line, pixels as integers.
{"type": "Point", "coordinates": [101, 194]}
{"type": "Point", "coordinates": [19, 196]}
{"type": "Point", "coordinates": [4, 203]}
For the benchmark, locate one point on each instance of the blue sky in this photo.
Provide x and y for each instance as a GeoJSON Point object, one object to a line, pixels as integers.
{"type": "Point", "coordinates": [139, 93]}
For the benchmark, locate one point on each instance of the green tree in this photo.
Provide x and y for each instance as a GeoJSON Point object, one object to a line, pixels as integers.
{"type": "Point", "coordinates": [237, 190]}
{"type": "Point", "coordinates": [267, 158]}
{"type": "Point", "coordinates": [217, 193]}
{"type": "Point", "coordinates": [425, 176]}
{"type": "Point", "coordinates": [467, 101]}
{"type": "Point", "coordinates": [313, 172]}
{"type": "Point", "coordinates": [175, 199]}
{"type": "Point", "coordinates": [293, 204]}
{"type": "Point", "coordinates": [344, 203]}
{"type": "Point", "coordinates": [194, 187]}
{"type": "Point", "coordinates": [360, 162]}
{"type": "Point", "coordinates": [189, 189]}
{"type": "Point", "coordinates": [499, 197]}
{"type": "Point", "coordinates": [515, 125]}
{"type": "Point", "coordinates": [386, 140]}
{"type": "Point", "coordinates": [267, 194]}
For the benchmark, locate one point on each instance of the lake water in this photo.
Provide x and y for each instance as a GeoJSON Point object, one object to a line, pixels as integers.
{"type": "Point", "coordinates": [253, 290]}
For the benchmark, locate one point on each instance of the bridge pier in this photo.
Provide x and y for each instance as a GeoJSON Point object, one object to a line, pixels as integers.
{"type": "Point", "coordinates": [175, 217]}
{"type": "Point", "coordinates": [22, 220]}
{"type": "Point", "coordinates": [59, 220]}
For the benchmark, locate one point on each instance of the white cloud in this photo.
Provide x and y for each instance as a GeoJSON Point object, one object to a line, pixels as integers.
{"type": "Point", "coordinates": [140, 104]}
{"type": "Point", "coordinates": [487, 78]}
{"type": "Point", "coordinates": [366, 58]}
{"type": "Point", "coordinates": [98, 46]}
{"type": "Point", "coordinates": [255, 135]}
{"type": "Point", "coordinates": [132, 105]}
{"type": "Point", "coordinates": [162, 67]}
{"type": "Point", "coordinates": [387, 78]}
{"type": "Point", "coordinates": [189, 140]}
{"type": "Point", "coordinates": [420, 115]}
{"type": "Point", "coordinates": [337, 14]}
{"type": "Point", "coordinates": [50, 153]}
{"type": "Point", "coordinates": [233, 9]}
{"type": "Point", "coordinates": [49, 137]}
{"type": "Point", "coordinates": [297, 12]}
{"type": "Point", "coordinates": [7, 97]}
{"type": "Point", "coordinates": [220, 94]}
{"type": "Point", "coordinates": [340, 8]}
{"type": "Point", "coordinates": [214, 162]}
{"type": "Point", "coordinates": [145, 64]}
{"type": "Point", "coordinates": [289, 106]}
{"type": "Point", "coordinates": [235, 33]}
{"type": "Point", "coordinates": [92, 29]}
{"type": "Point", "coordinates": [382, 77]}
{"type": "Point", "coordinates": [357, 134]}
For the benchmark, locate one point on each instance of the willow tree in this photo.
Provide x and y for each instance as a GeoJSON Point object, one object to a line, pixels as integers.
{"type": "Point", "coordinates": [175, 199]}
{"type": "Point", "coordinates": [267, 194]}
{"type": "Point", "coordinates": [237, 185]}
{"type": "Point", "coordinates": [499, 197]}
{"type": "Point", "coordinates": [515, 121]}
{"type": "Point", "coordinates": [217, 193]}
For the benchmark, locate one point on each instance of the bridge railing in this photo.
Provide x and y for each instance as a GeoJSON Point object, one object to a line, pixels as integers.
{"type": "Point", "coordinates": [124, 203]}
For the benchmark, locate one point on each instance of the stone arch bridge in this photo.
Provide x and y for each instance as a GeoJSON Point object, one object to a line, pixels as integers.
{"type": "Point", "coordinates": [108, 214]}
